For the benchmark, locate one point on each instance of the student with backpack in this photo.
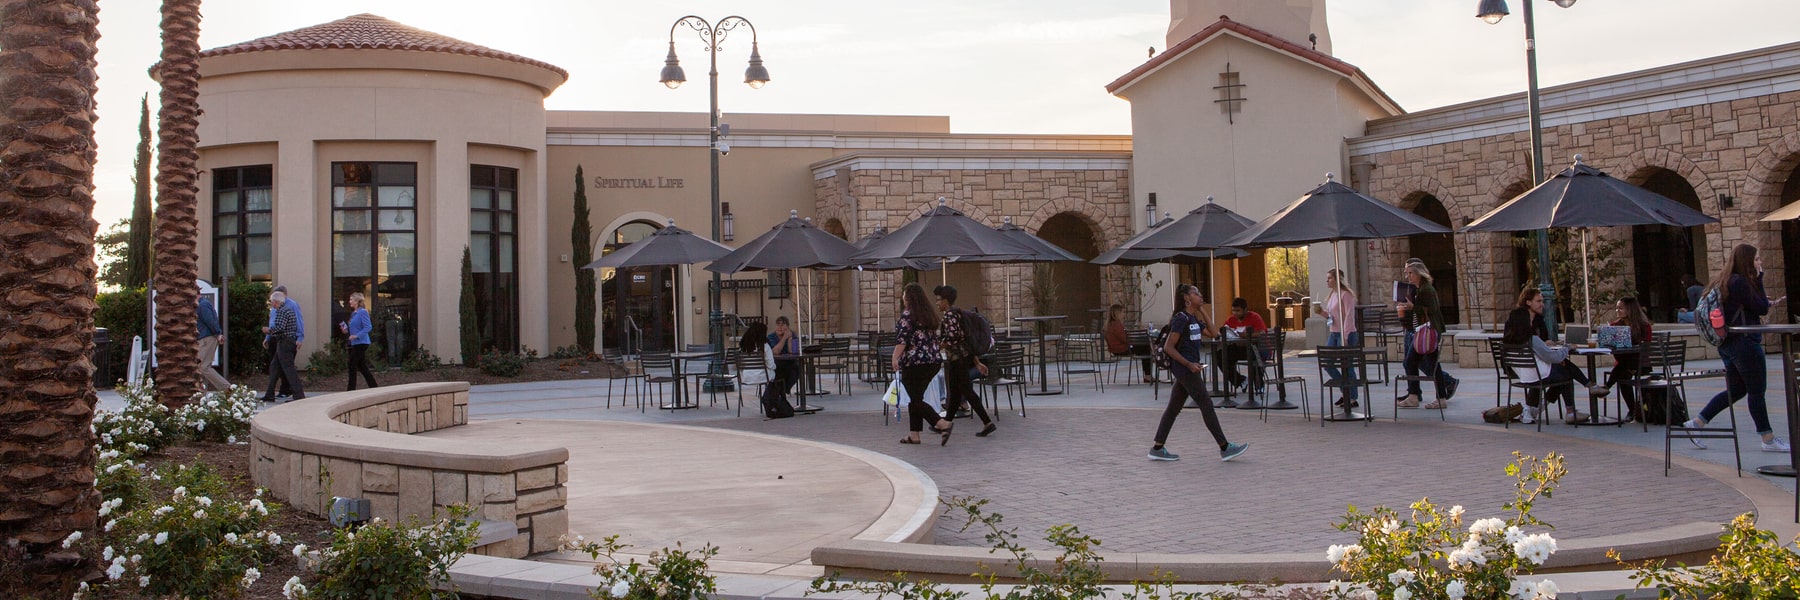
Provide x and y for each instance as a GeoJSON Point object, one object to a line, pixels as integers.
{"type": "Point", "coordinates": [959, 340]}
{"type": "Point", "coordinates": [1741, 301]}
{"type": "Point", "coordinates": [1181, 347]}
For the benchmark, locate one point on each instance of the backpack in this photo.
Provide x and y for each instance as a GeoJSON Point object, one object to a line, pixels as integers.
{"type": "Point", "coordinates": [775, 403]}
{"type": "Point", "coordinates": [978, 332]}
{"type": "Point", "coordinates": [1709, 318]}
{"type": "Point", "coordinates": [1156, 350]}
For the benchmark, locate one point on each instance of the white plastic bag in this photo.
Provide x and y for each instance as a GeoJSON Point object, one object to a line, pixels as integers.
{"type": "Point", "coordinates": [893, 394]}
{"type": "Point", "coordinates": [896, 394]}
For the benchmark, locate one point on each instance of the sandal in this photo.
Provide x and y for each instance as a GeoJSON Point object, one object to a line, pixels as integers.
{"type": "Point", "coordinates": [945, 441]}
{"type": "Point", "coordinates": [909, 441]}
{"type": "Point", "coordinates": [1436, 405]}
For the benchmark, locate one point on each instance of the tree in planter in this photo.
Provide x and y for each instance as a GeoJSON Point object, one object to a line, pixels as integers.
{"type": "Point", "coordinates": [580, 234]}
{"type": "Point", "coordinates": [176, 262]}
{"type": "Point", "coordinates": [1042, 291]}
{"type": "Point", "coordinates": [465, 306]}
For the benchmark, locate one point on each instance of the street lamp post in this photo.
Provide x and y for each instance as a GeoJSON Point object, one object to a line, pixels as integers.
{"type": "Point", "coordinates": [711, 35]}
{"type": "Point", "coordinates": [1492, 11]}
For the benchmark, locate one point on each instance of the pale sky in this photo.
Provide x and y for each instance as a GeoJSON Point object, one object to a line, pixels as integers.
{"type": "Point", "coordinates": [993, 66]}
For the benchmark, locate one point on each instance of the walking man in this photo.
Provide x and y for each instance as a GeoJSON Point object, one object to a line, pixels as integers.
{"type": "Point", "coordinates": [284, 340]}
{"type": "Point", "coordinates": [954, 338]}
{"type": "Point", "coordinates": [287, 389]}
{"type": "Point", "coordinates": [210, 337]}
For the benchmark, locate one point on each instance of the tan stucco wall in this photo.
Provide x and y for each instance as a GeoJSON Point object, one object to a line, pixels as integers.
{"type": "Point", "coordinates": [1287, 136]}
{"type": "Point", "coordinates": [444, 121]}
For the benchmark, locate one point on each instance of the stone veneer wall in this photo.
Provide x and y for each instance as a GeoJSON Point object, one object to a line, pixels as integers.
{"type": "Point", "coordinates": [864, 200]}
{"type": "Point", "coordinates": [303, 453]}
{"type": "Point", "coordinates": [1746, 148]}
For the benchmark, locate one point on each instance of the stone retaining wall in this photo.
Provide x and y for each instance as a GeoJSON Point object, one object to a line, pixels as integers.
{"type": "Point", "coordinates": [355, 444]}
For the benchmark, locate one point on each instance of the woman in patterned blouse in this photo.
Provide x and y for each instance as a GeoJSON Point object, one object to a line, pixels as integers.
{"type": "Point", "coordinates": [917, 357]}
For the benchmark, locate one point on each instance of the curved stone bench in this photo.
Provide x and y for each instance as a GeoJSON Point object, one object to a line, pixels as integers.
{"type": "Point", "coordinates": [357, 445]}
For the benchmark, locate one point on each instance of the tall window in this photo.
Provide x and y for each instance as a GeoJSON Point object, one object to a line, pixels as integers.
{"type": "Point", "coordinates": [242, 221]}
{"type": "Point", "coordinates": [492, 244]}
{"type": "Point", "coordinates": [374, 250]}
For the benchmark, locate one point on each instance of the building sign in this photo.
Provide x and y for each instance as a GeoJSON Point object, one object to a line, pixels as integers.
{"type": "Point", "coordinates": [638, 182]}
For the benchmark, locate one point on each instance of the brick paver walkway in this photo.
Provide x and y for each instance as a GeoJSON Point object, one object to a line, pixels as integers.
{"type": "Point", "coordinates": [1086, 466]}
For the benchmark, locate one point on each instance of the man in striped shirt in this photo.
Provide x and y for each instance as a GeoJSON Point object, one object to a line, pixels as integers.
{"type": "Point", "coordinates": [284, 339]}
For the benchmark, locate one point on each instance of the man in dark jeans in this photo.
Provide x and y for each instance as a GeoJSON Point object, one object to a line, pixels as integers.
{"type": "Point", "coordinates": [284, 342]}
{"type": "Point", "coordinates": [953, 337]}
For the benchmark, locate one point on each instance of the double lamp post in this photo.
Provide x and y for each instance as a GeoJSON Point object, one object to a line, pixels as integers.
{"type": "Point", "coordinates": [712, 35]}
{"type": "Point", "coordinates": [1492, 11]}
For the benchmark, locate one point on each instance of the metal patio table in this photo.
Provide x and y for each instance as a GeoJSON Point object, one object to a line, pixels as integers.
{"type": "Point", "coordinates": [1594, 417]}
{"type": "Point", "coordinates": [1791, 394]}
{"type": "Point", "coordinates": [1043, 358]}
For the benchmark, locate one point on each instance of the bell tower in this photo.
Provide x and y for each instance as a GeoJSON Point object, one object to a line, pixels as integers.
{"type": "Point", "coordinates": [1298, 21]}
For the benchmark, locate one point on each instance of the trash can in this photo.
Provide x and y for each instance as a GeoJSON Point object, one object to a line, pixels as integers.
{"type": "Point", "coordinates": [103, 377]}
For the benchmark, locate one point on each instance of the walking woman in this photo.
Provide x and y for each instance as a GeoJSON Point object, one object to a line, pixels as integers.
{"type": "Point", "coordinates": [1423, 310]}
{"type": "Point", "coordinates": [1743, 302]}
{"type": "Point", "coordinates": [358, 327]}
{"type": "Point", "coordinates": [1340, 318]}
{"type": "Point", "coordinates": [917, 356]}
{"type": "Point", "coordinates": [1625, 368]}
{"type": "Point", "coordinates": [1182, 346]}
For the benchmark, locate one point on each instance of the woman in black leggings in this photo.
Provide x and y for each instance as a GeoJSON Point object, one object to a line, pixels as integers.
{"type": "Point", "coordinates": [1183, 349]}
{"type": "Point", "coordinates": [918, 357]}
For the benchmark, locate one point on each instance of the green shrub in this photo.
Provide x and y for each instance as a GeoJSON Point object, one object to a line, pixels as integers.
{"type": "Point", "coordinates": [500, 363]}
{"type": "Point", "coordinates": [219, 416]}
{"type": "Point", "coordinates": [197, 542]}
{"type": "Point", "coordinates": [383, 561]}
{"type": "Point", "coordinates": [330, 361]}
{"type": "Point", "coordinates": [420, 359]}
{"type": "Point", "coordinates": [144, 426]}
{"type": "Point", "coordinates": [671, 574]}
{"type": "Point", "coordinates": [123, 314]}
{"type": "Point", "coordinates": [1751, 563]}
{"type": "Point", "coordinates": [570, 352]}
{"type": "Point", "coordinates": [247, 314]}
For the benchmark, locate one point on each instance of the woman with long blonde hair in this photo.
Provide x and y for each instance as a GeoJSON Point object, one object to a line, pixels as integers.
{"type": "Point", "coordinates": [358, 328]}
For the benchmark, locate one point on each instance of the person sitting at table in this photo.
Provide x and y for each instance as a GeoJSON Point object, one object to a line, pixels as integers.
{"type": "Point", "coordinates": [1627, 312]}
{"type": "Point", "coordinates": [786, 347]}
{"type": "Point", "coordinates": [1526, 326]}
{"type": "Point", "coordinates": [1240, 325]}
{"type": "Point", "coordinates": [1119, 344]}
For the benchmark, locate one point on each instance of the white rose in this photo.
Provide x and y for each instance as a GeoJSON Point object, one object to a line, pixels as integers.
{"type": "Point", "coordinates": [620, 588]}
{"type": "Point", "coordinates": [1455, 590]}
{"type": "Point", "coordinates": [1402, 594]}
{"type": "Point", "coordinates": [162, 537]}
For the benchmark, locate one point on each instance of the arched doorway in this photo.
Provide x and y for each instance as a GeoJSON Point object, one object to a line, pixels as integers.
{"type": "Point", "coordinates": [637, 305]}
{"type": "Point", "coordinates": [840, 287]}
{"type": "Point", "coordinates": [1438, 250]}
{"type": "Point", "coordinates": [1077, 284]}
{"type": "Point", "coordinates": [1662, 253]}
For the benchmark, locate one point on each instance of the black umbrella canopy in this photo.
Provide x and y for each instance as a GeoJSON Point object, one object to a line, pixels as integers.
{"type": "Point", "coordinates": [1582, 196]}
{"type": "Point", "coordinates": [1204, 228]}
{"type": "Point", "coordinates": [917, 264]}
{"type": "Point", "coordinates": [667, 247]}
{"type": "Point", "coordinates": [792, 244]}
{"type": "Point", "coordinates": [944, 234]}
{"type": "Point", "coordinates": [1129, 254]}
{"type": "Point", "coordinates": [1329, 213]}
{"type": "Point", "coordinates": [1043, 250]}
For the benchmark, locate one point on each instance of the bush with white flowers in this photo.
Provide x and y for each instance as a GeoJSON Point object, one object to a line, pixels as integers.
{"type": "Point", "coordinates": [144, 426]}
{"type": "Point", "coordinates": [195, 541]}
{"type": "Point", "coordinates": [1432, 554]}
{"type": "Point", "coordinates": [381, 560]}
{"type": "Point", "coordinates": [219, 416]}
{"type": "Point", "coordinates": [671, 574]}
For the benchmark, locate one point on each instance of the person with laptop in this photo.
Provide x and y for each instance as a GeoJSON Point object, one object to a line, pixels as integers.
{"type": "Point", "coordinates": [1629, 317]}
{"type": "Point", "coordinates": [1525, 325]}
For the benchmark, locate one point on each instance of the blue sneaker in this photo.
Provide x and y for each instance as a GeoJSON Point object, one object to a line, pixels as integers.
{"type": "Point", "coordinates": [1232, 450]}
{"type": "Point", "coordinates": [1163, 454]}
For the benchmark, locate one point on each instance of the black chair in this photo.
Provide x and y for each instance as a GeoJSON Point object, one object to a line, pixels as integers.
{"type": "Point", "coordinates": [1666, 362]}
{"type": "Point", "coordinates": [834, 357]}
{"type": "Point", "coordinates": [1269, 353]}
{"type": "Point", "coordinates": [1519, 359]}
{"type": "Point", "coordinates": [616, 371]}
{"type": "Point", "coordinates": [659, 369]}
{"type": "Point", "coordinates": [1006, 370]}
{"type": "Point", "coordinates": [1503, 377]}
{"type": "Point", "coordinates": [1423, 378]}
{"type": "Point", "coordinates": [1376, 325]}
{"type": "Point", "coordinates": [1345, 360]}
{"type": "Point", "coordinates": [751, 370]}
{"type": "Point", "coordinates": [1082, 355]}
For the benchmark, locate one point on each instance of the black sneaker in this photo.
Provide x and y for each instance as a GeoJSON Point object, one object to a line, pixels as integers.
{"type": "Point", "coordinates": [1450, 388]}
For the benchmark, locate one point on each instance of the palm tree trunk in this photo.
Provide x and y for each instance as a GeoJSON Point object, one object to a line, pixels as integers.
{"type": "Point", "coordinates": [47, 285]}
{"type": "Point", "coordinates": [177, 227]}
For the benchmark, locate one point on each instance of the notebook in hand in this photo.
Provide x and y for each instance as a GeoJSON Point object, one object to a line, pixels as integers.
{"type": "Point", "coordinates": [1403, 291]}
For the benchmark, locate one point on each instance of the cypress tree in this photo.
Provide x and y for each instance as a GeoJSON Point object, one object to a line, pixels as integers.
{"type": "Point", "coordinates": [137, 247]}
{"type": "Point", "coordinates": [581, 233]}
{"type": "Point", "coordinates": [471, 330]}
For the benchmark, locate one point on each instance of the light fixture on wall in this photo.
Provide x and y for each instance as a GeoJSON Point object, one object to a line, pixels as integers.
{"type": "Point", "coordinates": [1150, 211]}
{"type": "Point", "coordinates": [725, 214]}
{"type": "Point", "coordinates": [1727, 201]}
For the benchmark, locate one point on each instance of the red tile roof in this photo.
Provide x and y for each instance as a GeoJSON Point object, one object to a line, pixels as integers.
{"type": "Point", "coordinates": [1226, 24]}
{"type": "Point", "coordinates": [367, 31]}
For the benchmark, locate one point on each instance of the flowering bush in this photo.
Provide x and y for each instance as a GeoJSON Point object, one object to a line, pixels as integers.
{"type": "Point", "coordinates": [198, 543]}
{"type": "Point", "coordinates": [1751, 563]}
{"type": "Point", "coordinates": [671, 574]}
{"type": "Point", "coordinates": [1430, 555]}
{"type": "Point", "coordinates": [144, 426]}
{"type": "Point", "coordinates": [383, 561]}
{"type": "Point", "coordinates": [124, 482]}
{"type": "Point", "coordinates": [219, 416]}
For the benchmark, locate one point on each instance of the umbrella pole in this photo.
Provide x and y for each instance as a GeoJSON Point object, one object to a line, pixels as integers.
{"type": "Point", "coordinates": [1212, 308]}
{"type": "Point", "coordinates": [1587, 291]}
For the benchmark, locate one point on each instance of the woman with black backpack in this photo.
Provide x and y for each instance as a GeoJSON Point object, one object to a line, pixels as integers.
{"type": "Point", "coordinates": [1742, 302]}
{"type": "Point", "coordinates": [1182, 347]}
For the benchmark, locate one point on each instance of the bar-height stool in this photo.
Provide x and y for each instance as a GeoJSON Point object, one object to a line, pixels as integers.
{"type": "Point", "coordinates": [1345, 360]}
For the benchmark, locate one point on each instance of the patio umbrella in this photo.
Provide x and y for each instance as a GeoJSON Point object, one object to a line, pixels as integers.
{"type": "Point", "coordinates": [1581, 197]}
{"type": "Point", "coordinates": [668, 247]}
{"type": "Point", "coordinates": [792, 244]}
{"type": "Point", "coordinates": [1043, 251]}
{"type": "Point", "coordinates": [944, 235]}
{"type": "Point", "coordinates": [891, 264]}
{"type": "Point", "coordinates": [1203, 230]}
